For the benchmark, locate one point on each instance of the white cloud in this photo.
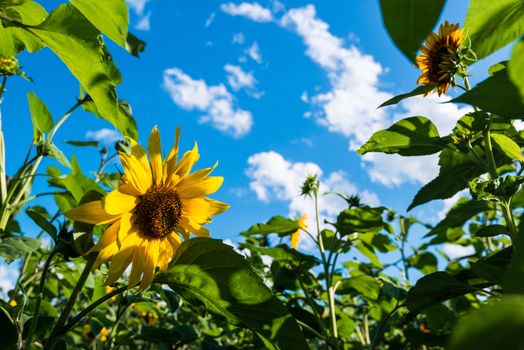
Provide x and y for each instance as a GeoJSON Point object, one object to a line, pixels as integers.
{"type": "Point", "coordinates": [272, 177]}
{"type": "Point", "coordinates": [254, 11]}
{"type": "Point", "coordinates": [144, 23]}
{"type": "Point", "coordinates": [8, 277]}
{"type": "Point", "coordinates": [215, 101]}
{"type": "Point", "coordinates": [105, 136]}
{"type": "Point", "coordinates": [138, 7]}
{"type": "Point", "coordinates": [254, 52]}
{"type": "Point", "coordinates": [238, 79]}
{"type": "Point", "coordinates": [210, 19]}
{"type": "Point", "coordinates": [238, 38]}
{"type": "Point", "coordinates": [454, 251]}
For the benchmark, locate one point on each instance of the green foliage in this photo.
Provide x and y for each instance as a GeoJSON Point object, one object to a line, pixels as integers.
{"type": "Point", "coordinates": [492, 25]}
{"type": "Point", "coordinates": [214, 274]}
{"type": "Point", "coordinates": [40, 115]}
{"type": "Point", "coordinates": [13, 248]}
{"type": "Point", "coordinates": [496, 94]}
{"type": "Point", "coordinates": [491, 326]}
{"type": "Point", "coordinates": [409, 22]}
{"type": "Point", "coordinates": [362, 220]}
{"type": "Point", "coordinates": [277, 224]}
{"type": "Point", "coordinates": [414, 136]}
{"type": "Point", "coordinates": [419, 90]}
{"type": "Point", "coordinates": [516, 67]}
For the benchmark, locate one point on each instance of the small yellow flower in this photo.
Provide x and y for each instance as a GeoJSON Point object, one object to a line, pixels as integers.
{"type": "Point", "coordinates": [104, 334]}
{"type": "Point", "coordinates": [156, 201]}
{"type": "Point", "coordinates": [13, 303]}
{"type": "Point", "coordinates": [295, 236]}
{"type": "Point", "coordinates": [109, 289]}
{"type": "Point", "coordinates": [440, 57]}
{"type": "Point", "coordinates": [86, 332]}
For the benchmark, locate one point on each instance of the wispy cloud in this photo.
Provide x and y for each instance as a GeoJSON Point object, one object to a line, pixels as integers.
{"type": "Point", "coordinates": [105, 136]}
{"type": "Point", "coordinates": [254, 52]}
{"type": "Point", "coordinates": [215, 101]}
{"type": "Point", "coordinates": [238, 38]}
{"type": "Point", "coordinates": [144, 19]}
{"type": "Point", "coordinates": [210, 19]}
{"type": "Point", "coordinates": [254, 11]}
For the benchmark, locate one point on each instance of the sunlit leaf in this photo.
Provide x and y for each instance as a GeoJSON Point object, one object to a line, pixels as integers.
{"type": "Point", "coordinates": [409, 22]}
{"type": "Point", "coordinates": [414, 136]}
{"type": "Point", "coordinates": [492, 25]}
{"type": "Point", "coordinates": [516, 67]}
{"type": "Point", "coordinates": [209, 272]}
{"type": "Point", "coordinates": [12, 248]}
{"type": "Point", "coordinates": [277, 224]}
{"type": "Point", "coordinates": [363, 219]}
{"type": "Point", "coordinates": [419, 90]}
{"type": "Point", "coordinates": [507, 146]}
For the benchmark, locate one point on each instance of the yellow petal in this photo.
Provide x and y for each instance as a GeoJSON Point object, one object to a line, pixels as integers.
{"type": "Point", "coordinates": [91, 213]}
{"type": "Point", "coordinates": [117, 202]}
{"type": "Point", "coordinates": [118, 264]}
{"type": "Point", "coordinates": [138, 176]}
{"type": "Point", "coordinates": [295, 238]}
{"type": "Point", "coordinates": [172, 157]}
{"type": "Point", "coordinates": [126, 225]}
{"type": "Point", "coordinates": [165, 254]}
{"type": "Point", "coordinates": [196, 176]}
{"type": "Point", "coordinates": [201, 188]}
{"type": "Point", "coordinates": [106, 254]}
{"type": "Point", "coordinates": [138, 264]}
{"type": "Point", "coordinates": [155, 155]}
{"type": "Point", "coordinates": [188, 160]}
{"type": "Point", "coordinates": [193, 227]}
{"type": "Point", "coordinates": [150, 264]}
{"type": "Point", "coordinates": [108, 237]}
{"type": "Point", "coordinates": [174, 240]}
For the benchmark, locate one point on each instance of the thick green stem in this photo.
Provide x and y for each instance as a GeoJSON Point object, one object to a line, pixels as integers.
{"type": "Point", "coordinates": [38, 301]}
{"type": "Point", "coordinates": [327, 278]}
{"type": "Point", "coordinates": [3, 176]}
{"type": "Point", "coordinates": [53, 338]}
{"type": "Point", "coordinates": [71, 324]}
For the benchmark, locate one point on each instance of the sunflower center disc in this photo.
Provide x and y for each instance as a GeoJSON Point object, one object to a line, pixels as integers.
{"type": "Point", "coordinates": [158, 212]}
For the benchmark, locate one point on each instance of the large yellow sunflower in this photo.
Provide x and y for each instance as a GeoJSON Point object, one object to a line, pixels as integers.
{"type": "Point", "coordinates": [440, 58]}
{"type": "Point", "coordinates": [156, 201]}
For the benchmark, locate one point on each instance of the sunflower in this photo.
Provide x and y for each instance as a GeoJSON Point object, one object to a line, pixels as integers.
{"type": "Point", "coordinates": [156, 203]}
{"type": "Point", "coordinates": [441, 58]}
{"type": "Point", "coordinates": [295, 236]}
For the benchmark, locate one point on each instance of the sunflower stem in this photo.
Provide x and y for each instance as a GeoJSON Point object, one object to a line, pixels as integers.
{"type": "Point", "coordinates": [38, 300]}
{"type": "Point", "coordinates": [55, 334]}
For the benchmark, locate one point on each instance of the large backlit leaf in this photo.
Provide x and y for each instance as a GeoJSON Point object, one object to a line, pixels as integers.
{"type": "Point", "coordinates": [109, 16]}
{"type": "Point", "coordinates": [516, 67]}
{"type": "Point", "coordinates": [12, 248]}
{"type": "Point", "coordinates": [14, 40]}
{"type": "Point", "coordinates": [491, 327]}
{"type": "Point", "coordinates": [507, 146]}
{"type": "Point", "coordinates": [496, 94]}
{"type": "Point", "coordinates": [75, 41]}
{"type": "Point", "coordinates": [492, 25]}
{"type": "Point", "coordinates": [207, 272]}
{"type": "Point", "coordinates": [40, 115]}
{"type": "Point", "coordinates": [414, 136]}
{"type": "Point", "coordinates": [410, 21]}
{"type": "Point", "coordinates": [420, 90]}
{"type": "Point", "coordinates": [435, 288]}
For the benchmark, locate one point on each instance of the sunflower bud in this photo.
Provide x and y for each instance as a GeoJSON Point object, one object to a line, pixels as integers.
{"type": "Point", "coordinates": [9, 66]}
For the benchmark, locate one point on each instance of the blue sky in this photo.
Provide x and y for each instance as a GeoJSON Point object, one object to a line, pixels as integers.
{"type": "Point", "coordinates": [272, 90]}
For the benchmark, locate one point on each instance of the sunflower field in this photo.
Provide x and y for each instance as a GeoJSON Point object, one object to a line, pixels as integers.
{"type": "Point", "coordinates": [130, 260]}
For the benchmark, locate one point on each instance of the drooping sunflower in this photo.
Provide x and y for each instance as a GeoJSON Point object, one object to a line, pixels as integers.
{"type": "Point", "coordinates": [295, 236]}
{"type": "Point", "coordinates": [155, 203]}
{"type": "Point", "coordinates": [440, 59]}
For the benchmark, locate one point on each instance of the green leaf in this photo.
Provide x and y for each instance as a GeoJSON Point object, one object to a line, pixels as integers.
{"type": "Point", "coordinates": [366, 286]}
{"type": "Point", "coordinates": [42, 222]}
{"type": "Point", "coordinates": [12, 248]}
{"type": "Point", "coordinates": [490, 326]}
{"type": "Point", "coordinates": [364, 219]}
{"type": "Point", "coordinates": [492, 25]}
{"type": "Point", "coordinates": [125, 117]}
{"type": "Point", "coordinates": [492, 230]}
{"type": "Point", "coordinates": [516, 67]}
{"type": "Point", "coordinates": [514, 280]}
{"type": "Point", "coordinates": [211, 273]}
{"type": "Point", "coordinates": [435, 288]}
{"type": "Point", "coordinates": [456, 170]}
{"type": "Point", "coordinates": [277, 224]}
{"type": "Point", "coordinates": [414, 136]}
{"type": "Point", "coordinates": [108, 16]}
{"type": "Point", "coordinates": [9, 3]}
{"type": "Point", "coordinates": [409, 22]}
{"type": "Point", "coordinates": [496, 94]}
{"type": "Point", "coordinates": [283, 253]}
{"type": "Point", "coordinates": [75, 41]}
{"type": "Point", "coordinates": [457, 216]}
{"type": "Point", "coordinates": [507, 146]}
{"type": "Point", "coordinates": [40, 115]}
{"type": "Point", "coordinates": [83, 143]}
{"type": "Point", "coordinates": [420, 90]}
{"type": "Point", "coordinates": [13, 40]}
{"type": "Point", "coordinates": [425, 262]}
{"type": "Point", "coordinates": [134, 45]}
{"type": "Point", "coordinates": [55, 152]}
